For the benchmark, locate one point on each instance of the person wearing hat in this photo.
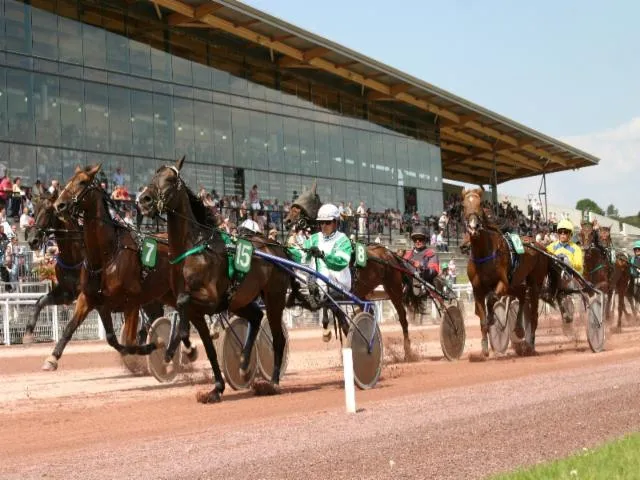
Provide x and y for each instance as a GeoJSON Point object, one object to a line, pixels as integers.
{"type": "Point", "coordinates": [565, 249]}
{"type": "Point", "coordinates": [273, 235]}
{"type": "Point", "coordinates": [423, 259]}
{"type": "Point", "coordinates": [250, 227]}
{"type": "Point", "coordinates": [329, 253]}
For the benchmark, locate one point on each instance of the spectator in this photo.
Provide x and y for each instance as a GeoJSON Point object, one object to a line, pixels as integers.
{"type": "Point", "coordinates": [254, 198]}
{"type": "Point", "coordinates": [54, 187]}
{"type": "Point", "coordinates": [452, 271]}
{"type": "Point", "coordinates": [25, 219]}
{"type": "Point", "coordinates": [118, 177]}
{"type": "Point", "coordinates": [361, 212]}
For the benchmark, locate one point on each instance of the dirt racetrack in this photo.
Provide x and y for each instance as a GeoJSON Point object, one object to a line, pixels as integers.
{"type": "Point", "coordinates": [425, 419]}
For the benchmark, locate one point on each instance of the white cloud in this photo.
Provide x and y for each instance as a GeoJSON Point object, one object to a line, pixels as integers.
{"type": "Point", "coordinates": [616, 180]}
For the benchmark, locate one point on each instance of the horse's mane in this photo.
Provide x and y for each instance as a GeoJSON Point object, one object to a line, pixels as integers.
{"type": "Point", "coordinates": [203, 214]}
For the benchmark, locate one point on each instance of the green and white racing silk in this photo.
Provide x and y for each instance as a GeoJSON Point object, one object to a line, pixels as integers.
{"type": "Point", "coordinates": [337, 255]}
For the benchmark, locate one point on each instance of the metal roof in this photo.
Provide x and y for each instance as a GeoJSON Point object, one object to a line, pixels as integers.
{"type": "Point", "coordinates": [472, 138]}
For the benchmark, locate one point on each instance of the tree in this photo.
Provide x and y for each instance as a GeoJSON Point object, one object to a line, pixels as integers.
{"type": "Point", "coordinates": [588, 205]}
{"type": "Point", "coordinates": [612, 211]}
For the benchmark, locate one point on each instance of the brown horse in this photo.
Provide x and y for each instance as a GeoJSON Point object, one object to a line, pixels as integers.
{"type": "Point", "coordinates": [492, 274]}
{"type": "Point", "coordinates": [69, 261]}
{"type": "Point", "coordinates": [199, 276]}
{"type": "Point", "coordinates": [611, 276]}
{"type": "Point", "coordinates": [111, 278]}
{"type": "Point", "coordinates": [387, 271]}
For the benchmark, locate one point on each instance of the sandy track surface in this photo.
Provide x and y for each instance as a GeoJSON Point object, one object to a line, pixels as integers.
{"type": "Point", "coordinates": [425, 419]}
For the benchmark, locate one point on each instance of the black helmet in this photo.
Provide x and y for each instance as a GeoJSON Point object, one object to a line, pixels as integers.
{"type": "Point", "coordinates": [419, 232]}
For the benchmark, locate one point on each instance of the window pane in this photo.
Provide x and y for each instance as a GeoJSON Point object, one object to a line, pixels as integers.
{"type": "Point", "coordinates": [142, 126]}
{"type": "Point", "coordinates": [160, 65]}
{"type": "Point", "coordinates": [94, 43]}
{"type": "Point", "coordinates": [202, 76]}
{"type": "Point", "coordinates": [389, 156]}
{"type": "Point", "coordinates": [291, 145]}
{"type": "Point", "coordinates": [22, 164]}
{"type": "Point", "coordinates": [350, 153]}
{"type": "Point", "coordinates": [181, 70]}
{"type": "Point", "coordinates": [163, 126]}
{"type": "Point", "coordinates": [46, 92]}
{"type": "Point", "coordinates": [4, 117]}
{"type": "Point", "coordinates": [71, 112]}
{"type": "Point", "coordinates": [96, 117]}
{"type": "Point", "coordinates": [258, 141]}
{"type": "Point", "coordinates": [323, 149]}
{"type": "Point", "coordinates": [17, 18]}
{"type": "Point", "coordinates": [44, 34]}
{"type": "Point", "coordinates": [275, 147]}
{"type": "Point", "coordinates": [117, 53]}
{"type": "Point", "coordinates": [49, 165]}
{"type": "Point", "coordinates": [203, 117]}
{"type": "Point", "coordinates": [222, 138]}
{"type": "Point", "coordinates": [120, 120]}
{"type": "Point", "coordinates": [183, 125]}
{"type": "Point", "coordinates": [20, 106]}
{"type": "Point", "coordinates": [364, 156]}
{"type": "Point", "coordinates": [70, 40]}
{"type": "Point", "coordinates": [308, 160]}
{"type": "Point", "coordinates": [70, 160]}
{"type": "Point", "coordinates": [402, 156]}
{"type": "Point", "coordinates": [140, 58]}
{"type": "Point", "coordinates": [241, 133]}
{"type": "Point", "coordinates": [337, 151]}
{"type": "Point", "coordinates": [143, 171]}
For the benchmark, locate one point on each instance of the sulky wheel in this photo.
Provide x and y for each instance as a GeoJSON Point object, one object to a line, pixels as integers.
{"type": "Point", "coordinates": [161, 329]}
{"type": "Point", "coordinates": [499, 329]}
{"type": "Point", "coordinates": [136, 364]}
{"type": "Point", "coordinates": [595, 324]}
{"type": "Point", "coordinates": [231, 342]}
{"type": "Point", "coordinates": [264, 349]}
{"type": "Point", "coordinates": [452, 333]}
{"type": "Point", "coordinates": [367, 363]}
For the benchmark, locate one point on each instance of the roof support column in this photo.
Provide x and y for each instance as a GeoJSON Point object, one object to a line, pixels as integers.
{"type": "Point", "coordinates": [494, 185]}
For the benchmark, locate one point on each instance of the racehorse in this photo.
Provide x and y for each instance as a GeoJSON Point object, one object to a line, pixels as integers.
{"type": "Point", "coordinates": [69, 261]}
{"type": "Point", "coordinates": [386, 269]}
{"type": "Point", "coordinates": [492, 274]}
{"type": "Point", "coordinates": [111, 278]}
{"type": "Point", "coordinates": [607, 274]}
{"type": "Point", "coordinates": [199, 274]}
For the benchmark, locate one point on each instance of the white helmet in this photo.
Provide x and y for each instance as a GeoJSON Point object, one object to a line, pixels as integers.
{"type": "Point", "coordinates": [251, 225]}
{"type": "Point", "coordinates": [328, 211]}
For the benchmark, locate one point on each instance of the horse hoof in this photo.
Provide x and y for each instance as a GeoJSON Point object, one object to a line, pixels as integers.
{"type": "Point", "coordinates": [244, 373]}
{"type": "Point", "coordinates": [160, 343]}
{"type": "Point", "coordinates": [50, 364]}
{"type": "Point", "coordinates": [326, 335]}
{"type": "Point", "coordinates": [28, 339]}
{"type": "Point", "coordinates": [208, 397]}
{"type": "Point", "coordinates": [478, 357]}
{"type": "Point", "coordinates": [262, 388]}
{"type": "Point", "coordinates": [192, 354]}
{"type": "Point", "coordinates": [169, 368]}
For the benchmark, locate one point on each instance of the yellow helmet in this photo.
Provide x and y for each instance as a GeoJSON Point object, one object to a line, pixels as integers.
{"type": "Point", "coordinates": [565, 225]}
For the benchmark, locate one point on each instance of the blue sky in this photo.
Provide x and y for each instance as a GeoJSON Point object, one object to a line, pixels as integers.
{"type": "Point", "coordinates": [569, 69]}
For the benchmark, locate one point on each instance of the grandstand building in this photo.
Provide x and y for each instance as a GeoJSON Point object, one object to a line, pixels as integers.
{"type": "Point", "coordinates": [248, 98]}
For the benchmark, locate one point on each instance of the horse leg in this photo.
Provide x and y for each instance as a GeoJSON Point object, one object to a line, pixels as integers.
{"type": "Point", "coordinates": [182, 303]}
{"type": "Point", "coordinates": [82, 309]}
{"type": "Point", "coordinates": [274, 301]}
{"type": "Point", "coordinates": [57, 296]}
{"type": "Point", "coordinates": [253, 314]}
{"type": "Point", "coordinates": [214, 395]}
{"type": "Point", "coordinates": [534, 300]}
{"type": "Point", "coordinates": [130, 326]}
{"type": "Point", "coordinates": [395, 295]}
{"type": "Point", "coordinates": [481, 312]}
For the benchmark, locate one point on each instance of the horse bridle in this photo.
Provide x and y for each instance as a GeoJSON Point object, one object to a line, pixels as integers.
{"type": "Point", "coordinates": [477, 216]}
{"type": "Point", "coordinates": [163, 198]}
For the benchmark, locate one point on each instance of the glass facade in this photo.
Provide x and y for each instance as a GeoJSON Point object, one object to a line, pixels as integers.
{"type": "Point", "coordinates": [72, 93]}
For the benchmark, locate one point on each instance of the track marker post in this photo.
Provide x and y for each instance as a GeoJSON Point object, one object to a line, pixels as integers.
{"type": "Point", "coordinates": [349, 382]}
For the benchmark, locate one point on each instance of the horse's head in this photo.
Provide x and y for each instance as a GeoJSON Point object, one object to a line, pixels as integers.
{"type": "Point", "coordinates": [45, 219]}
{"type": "Point", "coordinates": [472, 211]}
{"type": "Point", "coordinates": [604, 234]}
{"type": "Point", "coordinates": [304, 209]}
{"type": "Point", "coordinates": [76, 189]}
{"type": "Point", "coordinates": [586, 234]}
{"type": "Point", "coordinates": [161, 192]}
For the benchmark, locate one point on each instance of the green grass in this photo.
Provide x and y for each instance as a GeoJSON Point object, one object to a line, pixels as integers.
{"type": "Point", "coordinates": [617, 460]}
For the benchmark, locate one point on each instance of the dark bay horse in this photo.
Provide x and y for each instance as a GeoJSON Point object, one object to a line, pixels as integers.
{"type": "Point", "coordinates": [111, 278]}
{"type": "Point", "coordinates": [491, 273]}
{"type": "Point", "coordinates": [199, 276]}
{"type": "Point", "coordinates": [611, 276]}
{"type": "Point", "coordinates": [388, 271]}
{"type": "Point", "coordinates": [69, 261]}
